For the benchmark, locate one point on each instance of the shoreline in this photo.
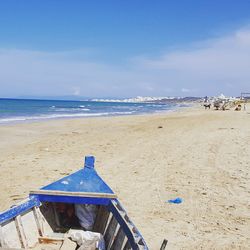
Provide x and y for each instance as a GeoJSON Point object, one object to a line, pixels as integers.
{"type": "Point", "coordinates": [199, 155]}
{"type": "Point", "coordinates": [84, 116]}
{"type": "Point", "coordinates": [25, 111]}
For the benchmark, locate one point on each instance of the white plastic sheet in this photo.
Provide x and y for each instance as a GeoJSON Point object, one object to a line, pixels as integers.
{"type": "Point", "coordinates": [87, 240]}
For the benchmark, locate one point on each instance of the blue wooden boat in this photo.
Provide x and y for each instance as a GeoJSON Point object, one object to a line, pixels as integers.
{"type": "Point", "coordinates": [36, 223]}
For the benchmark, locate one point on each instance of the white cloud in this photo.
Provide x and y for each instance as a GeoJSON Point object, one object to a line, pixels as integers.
{"type": "Point", "coordinates": [205, 68]}
{"type": "Point", "coordinates": [216, 65]}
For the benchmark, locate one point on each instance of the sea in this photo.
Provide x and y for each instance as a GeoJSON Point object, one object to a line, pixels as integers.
{"type": "Point", "coordinates": [25, 110]}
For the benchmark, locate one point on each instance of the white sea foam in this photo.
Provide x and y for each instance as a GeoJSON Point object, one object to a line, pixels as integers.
{"type": "Point", "coordinates": [55, 116]}
{"type": "Point", "coordinates": [70, 109]}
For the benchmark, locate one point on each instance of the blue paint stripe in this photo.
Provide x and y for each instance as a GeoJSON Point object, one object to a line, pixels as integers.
{"type": "Point", "coordinates": [19, 209]}
{"type": "Point", "coordinates": [130, 235]}
{"type": "Point", "coordinates": [75, 200]}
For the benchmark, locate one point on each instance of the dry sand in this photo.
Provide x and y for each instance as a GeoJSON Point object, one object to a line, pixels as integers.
{"type": "Point", "coordinates": [200, 156]}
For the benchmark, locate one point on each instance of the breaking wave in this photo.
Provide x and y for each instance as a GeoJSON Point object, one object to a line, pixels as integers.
{"type": "Point", "coordinates": [57, 116]}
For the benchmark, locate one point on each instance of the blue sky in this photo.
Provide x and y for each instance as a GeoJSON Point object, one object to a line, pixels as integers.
{"type": "Point", "coordinates": [124, 48]}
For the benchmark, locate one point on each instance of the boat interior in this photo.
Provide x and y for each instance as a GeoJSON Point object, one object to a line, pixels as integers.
{"type": "Point", "coordinates": [46, 227]}
{"type": "Point", "coordinates": [54, 216]}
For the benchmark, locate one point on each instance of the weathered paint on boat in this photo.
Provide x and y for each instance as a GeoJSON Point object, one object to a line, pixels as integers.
{"type": "Point", "coordinates": [82, 187]}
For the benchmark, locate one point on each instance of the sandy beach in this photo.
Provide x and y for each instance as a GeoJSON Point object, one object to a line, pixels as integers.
{"type": "Point", "coordinates": [201, 156]}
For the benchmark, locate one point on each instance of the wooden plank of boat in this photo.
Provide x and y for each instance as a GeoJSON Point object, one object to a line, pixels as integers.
{"type": "Point", "coordinates": [21, 232]}
{"type": "Point", "coordinates": [135, 239]}
{"type": "Point", "coordinates": [38, 221]}
{"type": "Point", "coordinates": [119, 239]}
{"type": "Point", "coordinates": [73, 194]}
{"type": "Point", "coordinates": [54, 237]}
{"type": "Point", "coordinates": [127, 246]}
{"type": "Point", "coordinates": [101, 220]}
{"type": "Point", "coordinates": [20, 208]}
{"type": "Point", "coordinates": [2, 243]}
{"type": "Point", "coordinates": [109, 234]}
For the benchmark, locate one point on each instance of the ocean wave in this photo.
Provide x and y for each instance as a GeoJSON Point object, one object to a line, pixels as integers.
{"type": "Point", "coordinates": [56, 116]}
{"type": "Point", "coordinates": [70, 109]}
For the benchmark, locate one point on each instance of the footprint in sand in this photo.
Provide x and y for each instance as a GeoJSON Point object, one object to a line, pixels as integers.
{"type": "Point", "coordinates": [64, 173]}
{"type": "Point", "coordinates": [16, 197]}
